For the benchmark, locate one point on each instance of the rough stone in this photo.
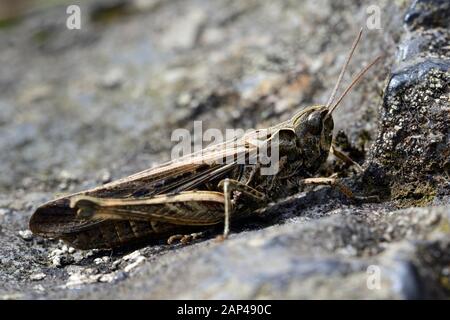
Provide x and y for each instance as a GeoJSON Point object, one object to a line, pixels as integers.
{"type": "Point", "coordinates": [413, 144]}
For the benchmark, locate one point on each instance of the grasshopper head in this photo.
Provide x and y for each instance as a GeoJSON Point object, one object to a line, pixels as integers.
{"type": "Point", "coordinates": [313, 126]}
{"type": "Point", "coordinates": [313, 129]}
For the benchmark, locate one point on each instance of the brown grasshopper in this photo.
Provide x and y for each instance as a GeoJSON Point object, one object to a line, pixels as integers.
{"type": "Point", "coordinates": [198, 190]}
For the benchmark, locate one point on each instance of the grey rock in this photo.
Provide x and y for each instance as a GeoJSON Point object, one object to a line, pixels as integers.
{"type": "Point", "coordinates": [112, 79]}
{"type": "Point", "coordinates": [428, 13]}
{"type": "Point", "coordinates": [413, 143]}
{"type": "Point", "coordinates": [26, 235]}
{"type": "Point", "coordinates": [37, 276]}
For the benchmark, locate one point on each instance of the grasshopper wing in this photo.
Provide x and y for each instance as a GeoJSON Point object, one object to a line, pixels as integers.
{"type": "Point", "coordinates": [57, 219]}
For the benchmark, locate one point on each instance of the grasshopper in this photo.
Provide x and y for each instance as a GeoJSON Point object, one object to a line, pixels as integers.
{"type": "Point", "coordinates": [190, 194]}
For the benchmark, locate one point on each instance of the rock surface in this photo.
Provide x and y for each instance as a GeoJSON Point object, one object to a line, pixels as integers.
{"type": "Point", "coordinates": [79, 108]}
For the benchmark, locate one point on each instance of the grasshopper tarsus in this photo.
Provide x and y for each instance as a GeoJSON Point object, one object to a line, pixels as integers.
{"type": "Point", "coordinates": [221, 238]}
{"type": "Point", "coordinates": [184, 238]}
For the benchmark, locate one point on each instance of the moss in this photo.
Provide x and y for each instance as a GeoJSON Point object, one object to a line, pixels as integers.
{"type": "Point", "coordinates": [417, 194]}
{"type": "Point", "coordinates": [8, 23]}
{"type": "Point", "coordinates": [42, 36]}
{"type": "Point", "coordinates": [444, 226]}
{"type": "Point", "coordinates": [445, 282]}
{"type": "Point", "coordinates": [110, 12]}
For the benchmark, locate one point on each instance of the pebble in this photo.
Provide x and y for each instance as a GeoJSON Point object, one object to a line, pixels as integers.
{"type": "Point", "coordinates": [101, 260]}
{"type": "Point", "coordinates": [37, 276]}
{"type": "Point", "coordinates": [26, 235]}
{"type": "Point", "coordinates": [60, 257]}
{"type": "Point", "coordinates": [112, 277]}
{"type": "Point", "coordinates": [113, 79]}
{"type": "Point", "coordinates": [116, 264]}
{"type": "Point", "coordinates": [132, 256]}
{"type": "Point", "coordinates": [78, 279]}
{"type": "Point", "coordinates": [78, 257]}
{"type": "Point", "coordinates": [56, 261]}
{"type": "Point", "coordinates": [134, 264]}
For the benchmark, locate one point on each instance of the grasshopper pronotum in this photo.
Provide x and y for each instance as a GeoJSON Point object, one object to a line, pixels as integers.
{"type": "Point", "coordinates": [181, 195]}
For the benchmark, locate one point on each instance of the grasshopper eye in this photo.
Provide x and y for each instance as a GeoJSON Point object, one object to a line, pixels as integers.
{"type": "Point", "coordinates": [314, 123]}
{"type": "Point", "coordinates": [328, 123]}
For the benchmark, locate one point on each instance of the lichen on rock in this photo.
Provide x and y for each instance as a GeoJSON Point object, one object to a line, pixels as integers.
{"type": "Point", "coordinates": [413, 144]}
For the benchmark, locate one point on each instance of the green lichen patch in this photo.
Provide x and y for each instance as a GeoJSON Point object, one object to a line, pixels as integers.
{"type": "Point", "coordinates": [413, 194]}
{"type": "Point", "coordinates": [413, 146]}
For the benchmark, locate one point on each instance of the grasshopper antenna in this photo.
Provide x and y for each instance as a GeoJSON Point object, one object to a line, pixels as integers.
{"type": "Point", "coordinates": [344, 67]}
{"type": "Point", "coordinates": [352, 84]}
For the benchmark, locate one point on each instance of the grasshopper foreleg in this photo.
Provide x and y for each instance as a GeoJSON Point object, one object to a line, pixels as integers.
{"type": "Point", "coordinates": [330, 181]}
{"type": "Point", "coordinates": [342, 156]}
{"type": "Point", "coordinates": [334, 182]}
